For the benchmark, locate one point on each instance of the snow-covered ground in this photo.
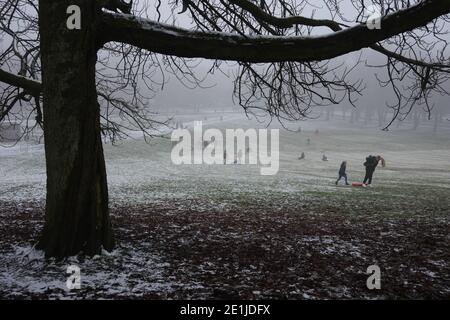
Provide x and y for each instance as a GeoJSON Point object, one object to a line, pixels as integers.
{"type": "Point", "coordinates": [140, 172]}
{"type": "Point", "coordinates": [415, 184]}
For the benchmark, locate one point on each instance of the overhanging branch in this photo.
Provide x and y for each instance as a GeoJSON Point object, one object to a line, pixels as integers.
{"type": "Point", "coordinates": [170, 40]}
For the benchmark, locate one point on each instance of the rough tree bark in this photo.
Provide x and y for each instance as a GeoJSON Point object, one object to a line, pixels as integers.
{"type": "Point", "coordinates": [77, 218]}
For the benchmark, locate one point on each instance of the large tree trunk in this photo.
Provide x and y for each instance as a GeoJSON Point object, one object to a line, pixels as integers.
{"type": "Point", "coordinates": [77, 218]}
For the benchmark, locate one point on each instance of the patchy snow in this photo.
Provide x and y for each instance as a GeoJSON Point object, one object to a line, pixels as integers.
{"type": "Point", "coordinates": [124, 272]}
{"type": "Point", "coordinates": [225, 231]}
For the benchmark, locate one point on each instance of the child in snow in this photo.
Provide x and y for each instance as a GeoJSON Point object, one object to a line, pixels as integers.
{"type": "Point", "coordinates": [342, 173]}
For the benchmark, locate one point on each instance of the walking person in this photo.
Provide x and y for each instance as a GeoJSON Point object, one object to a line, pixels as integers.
{"type": "Point", "coordinates": [342, 173]}
{"type": "Point", "coordinates": [371, 164]}
{"type": "Point", "coordinates": [239, 155]}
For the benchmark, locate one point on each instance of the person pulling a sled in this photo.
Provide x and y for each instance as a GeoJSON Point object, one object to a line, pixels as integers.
{"type": "Point", "coordinates": [370, 164]}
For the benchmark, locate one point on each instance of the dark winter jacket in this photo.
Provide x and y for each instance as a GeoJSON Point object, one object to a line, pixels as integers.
{"type": "Point", "coordinates": [342, 169]}
{"type": "Point", "coordinates": [371, 162]}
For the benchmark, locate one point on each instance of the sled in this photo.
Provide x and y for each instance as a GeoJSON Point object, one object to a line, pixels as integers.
{"type": "Point", "coordinates": [358, 184]}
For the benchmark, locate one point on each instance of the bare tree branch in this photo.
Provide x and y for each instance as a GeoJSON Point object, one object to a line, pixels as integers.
{"type": "Point", "coordinates": [32, 87]}
{"type": "Point", "coordinates": [170, 40]}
